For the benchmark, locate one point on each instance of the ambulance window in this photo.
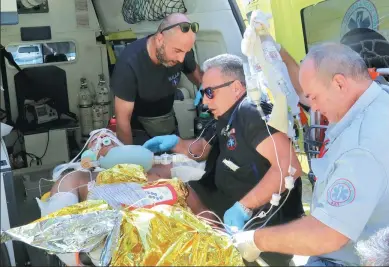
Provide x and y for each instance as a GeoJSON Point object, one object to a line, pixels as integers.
{"type": "Point", "coordinates": [363, 25]}
{"type": "Point", "coordinates": [28, 49]}
{"type": "Point", "coordinates": [41, 53]}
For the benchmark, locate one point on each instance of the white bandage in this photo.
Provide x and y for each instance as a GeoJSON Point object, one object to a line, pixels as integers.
{"type": "Point", "coordinates": [56, 202]}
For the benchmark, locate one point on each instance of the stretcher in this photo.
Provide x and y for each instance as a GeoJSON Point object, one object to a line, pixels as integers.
{"type": "Point", "coordinates": [156, 229]}
{"type": "Point", "coordinates": [123, 188]}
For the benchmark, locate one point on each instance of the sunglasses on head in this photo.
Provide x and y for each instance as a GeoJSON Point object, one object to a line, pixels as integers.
{"type": "Point", "coordinates": [209, 90]}
{"type": "Point", "coordinates": [184, 26]}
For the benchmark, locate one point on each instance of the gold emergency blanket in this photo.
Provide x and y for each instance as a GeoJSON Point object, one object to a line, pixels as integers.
{"type": "Point", "coordinates": [122, 173]}
{"type": "Point", "coordinates": [163, 235]}
{"type": "Point", "coordinates": [170, 236]}
{"type": "Point", "coordinates": [129, 173]}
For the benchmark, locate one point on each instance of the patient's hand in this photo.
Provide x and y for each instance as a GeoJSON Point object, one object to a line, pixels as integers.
{"type": "Point", "coordinates": [159, 171]}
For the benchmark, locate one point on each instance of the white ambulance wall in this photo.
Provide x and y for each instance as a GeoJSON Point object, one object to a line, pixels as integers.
{"type": "Point", "coordinates": [219, 32]}
{"type": "Point", "coordinates": [91, 58]}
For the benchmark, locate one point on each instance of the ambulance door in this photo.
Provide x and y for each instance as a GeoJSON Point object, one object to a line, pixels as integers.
{"type": "Point", "coordinates": [221, 29]}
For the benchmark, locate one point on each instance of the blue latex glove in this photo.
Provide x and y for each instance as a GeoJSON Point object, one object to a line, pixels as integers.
{"type": "Point", "coordinates": [198, 96]}
{"type": "Point", "coordinates": [236, 216]}
{"type": "Point", "coordinates": [162, 143]}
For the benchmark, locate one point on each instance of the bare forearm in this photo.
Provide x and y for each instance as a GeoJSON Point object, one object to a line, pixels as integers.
{"type": "Point", "coordinates": [196, 149]}
{"type": "Point", "coordinates": [196, 76]}
{"type": "Point", "coordinates": [263, 191]}
{"type": "Point", "coordinates": [270, 184]}
{"type": "Point", "coordinates": [124, 132]}
{"type": "Point", "coordinates": [293, 70]}
{"type": "Point", "coordinates": [306, 237]}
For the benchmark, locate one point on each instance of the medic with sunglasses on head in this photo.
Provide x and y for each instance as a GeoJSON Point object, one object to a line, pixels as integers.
{"type": "Point", "coordinates": [146, 76]}
{"type": "Point", "coordinates": [241, 170]}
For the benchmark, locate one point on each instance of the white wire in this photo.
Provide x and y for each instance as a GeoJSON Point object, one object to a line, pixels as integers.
{"type": "Point", "coordinates": [210, 212]}
{"type": "Point", "coordinates": [290, 157]}
{"type": "Point", "coordinates": [278, 162]}
{"type": "Point", "coordinates": [279, 166]}
{"type": "Point", "coordinates": [220, 222]}
{"type": "Point", "coordinates": [257, 216]}
{"type": "Point", "coordinates": [63, 178]}
{"type": "Point", "coordinates": [271, 216]}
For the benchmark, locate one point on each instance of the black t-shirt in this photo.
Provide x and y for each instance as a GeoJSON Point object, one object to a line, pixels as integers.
{"type": "Point", "coordinates": [247, 131]}
{"type": "Point", "coordinates": [221, 187]}
{"type": "Point", "coordinates": [209, 134]}
{"type": "Point", "coordinates": [152, 87]}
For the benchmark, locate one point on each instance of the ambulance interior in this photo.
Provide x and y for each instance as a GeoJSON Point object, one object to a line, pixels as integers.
{"type": "Point", "coordinates": [61, 42]}
{"type": "Point", "coordinates": [64, 44]}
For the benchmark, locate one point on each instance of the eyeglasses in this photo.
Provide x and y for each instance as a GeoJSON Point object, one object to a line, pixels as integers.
{"type": "Point", "coordinates": [185, 27]}
{"type": "Point", "coordinates": [209, 90]}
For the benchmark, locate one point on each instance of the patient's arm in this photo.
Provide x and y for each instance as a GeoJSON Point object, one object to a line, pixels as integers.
{"type": "Point", "coordinates": [76, 182]}
{"type": "Point", "coordinates": [159, 171]}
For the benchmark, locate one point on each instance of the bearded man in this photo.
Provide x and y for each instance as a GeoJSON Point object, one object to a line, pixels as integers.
{"type": "Point", "coordinates": [147, 74]}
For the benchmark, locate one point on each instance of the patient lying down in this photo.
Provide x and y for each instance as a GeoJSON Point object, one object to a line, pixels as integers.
{"type": "Point", "coordinates": [74, 186]}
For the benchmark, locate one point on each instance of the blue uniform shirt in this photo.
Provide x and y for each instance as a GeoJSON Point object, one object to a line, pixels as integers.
{"type": "Point", "coordinates": [351, 192]}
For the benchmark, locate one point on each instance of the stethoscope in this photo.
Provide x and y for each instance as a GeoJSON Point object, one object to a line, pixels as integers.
{"type": "Point", "coordinates": [224, 132]}
{"type": "Point", "coordinates": [198, 138]}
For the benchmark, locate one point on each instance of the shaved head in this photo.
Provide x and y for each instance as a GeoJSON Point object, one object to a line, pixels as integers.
{"type": "Point", "coordinates": [333, 77]}
{"type": "Point", "coordinates": [171, 20]}
{"type": "Point", "coordinates": [171, 45]}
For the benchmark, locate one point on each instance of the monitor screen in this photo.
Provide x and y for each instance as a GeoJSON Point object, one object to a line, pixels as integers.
{"type": "Point", "coordinates": [41, 111]}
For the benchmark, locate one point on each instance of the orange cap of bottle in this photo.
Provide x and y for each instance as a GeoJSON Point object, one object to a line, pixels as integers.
{"type": "Point", "coordinates": [373, 73]}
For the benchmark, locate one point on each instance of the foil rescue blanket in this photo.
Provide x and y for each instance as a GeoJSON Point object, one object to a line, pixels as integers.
{"type": "Point", "coordinates": [163, 191]}
{"type": "Point", "coordinates": [160, 235]}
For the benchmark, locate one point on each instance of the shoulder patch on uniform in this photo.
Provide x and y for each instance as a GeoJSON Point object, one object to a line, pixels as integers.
{"type": "Point", "coordinates": [341, 193]}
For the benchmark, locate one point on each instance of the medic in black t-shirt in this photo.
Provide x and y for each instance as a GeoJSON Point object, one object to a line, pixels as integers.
{"type": "Point", "coordinates": [242, 171]}
{"type": "Point", "coordinates": [146, 75]}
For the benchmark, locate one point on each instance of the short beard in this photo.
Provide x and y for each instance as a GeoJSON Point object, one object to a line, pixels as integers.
{"type": "Point", "coordinates": [161, 56]}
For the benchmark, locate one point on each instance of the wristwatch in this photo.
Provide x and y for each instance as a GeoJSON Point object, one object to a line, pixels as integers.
{"type": "Point", "coordinates": [247, 210]}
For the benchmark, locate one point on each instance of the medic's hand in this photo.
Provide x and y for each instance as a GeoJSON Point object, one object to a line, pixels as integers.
{"type": "Point", "coordinates": [236, 216]}
{"type": "Point", "coordinates": [244, 242]}
{"type": "Point", "coordinates": [162, 143]}
{"type": "Point", "coordinates": [198, 97]}
{"type": "Point", "coordinates": [260, 20]}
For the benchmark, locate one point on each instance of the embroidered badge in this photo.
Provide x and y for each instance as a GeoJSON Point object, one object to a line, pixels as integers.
{"type": "Point", "coordinates": [175, 79]}
{"type": "Point", "coordinates": [231, 142]}
{"type": "Point", "coordinates": [341, 193]}
{"type": "Point", "coordinates": [361, 14]}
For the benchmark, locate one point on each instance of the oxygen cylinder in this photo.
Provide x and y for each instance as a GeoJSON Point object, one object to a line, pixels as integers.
{"type": "Point", "coordinates": [85, 104]}
{"type": "Point", "coordinates": [98, 121]}
{"type": "Point", "coordinates": [103, 99]}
